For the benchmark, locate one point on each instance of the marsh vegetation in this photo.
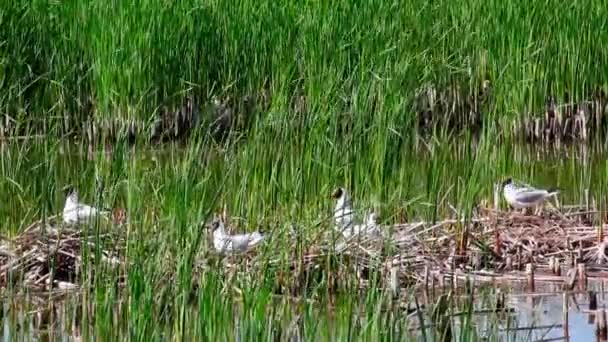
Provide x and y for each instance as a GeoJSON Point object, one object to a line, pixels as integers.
{"type": "Point", "coordinates": [169, 112]}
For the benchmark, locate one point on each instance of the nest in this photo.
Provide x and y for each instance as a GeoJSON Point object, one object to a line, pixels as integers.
{"type": "Point", "coordinates": [492, 245]}
{"type": "Point", "coordinates": [49, 256]}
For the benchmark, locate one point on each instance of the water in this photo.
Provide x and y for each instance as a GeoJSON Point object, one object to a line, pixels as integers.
{"type": "Point", "coordinates": [544, 308]}
{"type": "Point", "coordinates": [34, 175]}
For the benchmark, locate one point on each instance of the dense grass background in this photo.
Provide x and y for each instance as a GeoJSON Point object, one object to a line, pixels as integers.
{"type": "Point", "coordinates": [125, 59]}
{"type": "Point", "coordinates": [358, 64]}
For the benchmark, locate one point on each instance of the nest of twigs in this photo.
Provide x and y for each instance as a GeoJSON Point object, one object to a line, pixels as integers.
{"type": "Point", "coordinates": [49, 255]}
{"type": "Point", "coordinates": [492, 245]}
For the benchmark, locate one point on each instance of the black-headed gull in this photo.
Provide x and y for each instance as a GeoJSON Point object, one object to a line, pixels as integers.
{"type": "Point", "coordinates": [344, 213]}
{"type": "Point", "coordinates": [226, 243]}
{"type": "Point", "coordinates": [525, 197]}
{"type": "Point", "coordinates": [75, 212]}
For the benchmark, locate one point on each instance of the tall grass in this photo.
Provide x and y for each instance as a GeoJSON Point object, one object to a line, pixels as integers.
{"type": "Point", "coordinates": [357, 64]}
{"type": "Point", "coordinates": [169, 194]}
{"type": "Point", "coordinates": [363, 58]}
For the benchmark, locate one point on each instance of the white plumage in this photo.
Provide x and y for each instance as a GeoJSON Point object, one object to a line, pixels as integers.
{"type": "Point", "coordinates": [344, 213]}
{"type": "Point", "coordinates": [344, 216]}
{"type": "Point", "coordinates": [75, 212]}
{"type": "Point", "coordinates": [368, 228]}
{"type": "Point", "coordinates": [226, 243]}
{"type": "Point", "coordinates": [524, 197]}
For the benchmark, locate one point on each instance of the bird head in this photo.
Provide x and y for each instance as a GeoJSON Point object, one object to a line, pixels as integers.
{"type": "Point", "coordinates": [372, 217]}
{"type": "Point", "coordinates": [215, 224]}
{"type": "Point", "coordinates": [507, 182]}
{"type": "Point", "coordinates": [339, 192]}
{"type": "Point", "coordinates": [70, 192]}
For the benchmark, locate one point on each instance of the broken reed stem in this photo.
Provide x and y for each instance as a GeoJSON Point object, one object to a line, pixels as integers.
{"type": "Point", "coordinates": [592, 300]}
{"type": "Point", "coordinates": [426, 279]}
{"type": "Point", "coordinates": [582, 276]}
{"type": "Point", "coordinates": [565, 315]}
{"type": "Point", "coordinates": [497, 190]}
{"type": "Point", "coordinates": [554, 266]}
{"type": "Point", "coordinates": [500, 300]}
{"type": "Point", "coordinates": [600, 331]}
{"type": "Point", "coordinates": [394, 282]}
{"type": "Point", "coordinates": [433, 286]}
{"type": "Point", "coordinates": [570, 279]}
{"type": "Point", "coordinates": [530, 276]}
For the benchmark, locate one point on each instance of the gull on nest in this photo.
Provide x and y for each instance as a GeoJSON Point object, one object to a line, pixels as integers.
{"type": "Point", "coordinates": [344, 216]}
{"type": "Point", "coordinates": [343, 213]}
{"type": "Point", "coordinates": [523, 197]}
{"type": "Point", "coordinates": [367, 229]}
{"type": "Point", "coordinates": [226, 243]}
{"type": "Point", "coordinates": [75, 212]}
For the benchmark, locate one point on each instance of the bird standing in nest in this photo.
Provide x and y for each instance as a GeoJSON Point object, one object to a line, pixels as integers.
{"type": "Point", "coordinates": [523, 197]}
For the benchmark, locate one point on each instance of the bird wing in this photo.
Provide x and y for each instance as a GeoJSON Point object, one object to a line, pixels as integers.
{"type": "Point", "coordinates": [78, 212]}
{"type": "Point", "coordinates": [360, 229]}
{"type": "Point", "coordinates": [344, 216]}
{"type": "Point", "coordinates": [85, 211]}
{"type": "Point", "coordinates": [222, 244]}
{"type": "Point", "coordinates": [255, 238]}
{"type": "Point", "coordinates": [530, 196]}
{"type": "Point", "coordinates": [526, 188]}
{"type": "Point", "coordinates": [246, 240]}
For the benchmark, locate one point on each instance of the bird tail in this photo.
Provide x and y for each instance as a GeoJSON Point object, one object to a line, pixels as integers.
{"type": "Point", "coordinates": [552, 192]}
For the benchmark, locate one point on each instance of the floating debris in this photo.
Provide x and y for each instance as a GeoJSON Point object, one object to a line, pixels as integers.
{"type": "Point", "coordinates": [495, 246]}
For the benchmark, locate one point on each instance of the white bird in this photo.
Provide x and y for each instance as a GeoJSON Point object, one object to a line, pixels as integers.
{"type": "Point", "coordinates": [369, 228]}
{"type": "Point", "coordinates": [75, 212]}
{"type": "Point", "coordinates": [525, 197]}
{"type": "Point", "coordinates": [344, 213]}
{"type": "Point", "coordinates": [226, 243]}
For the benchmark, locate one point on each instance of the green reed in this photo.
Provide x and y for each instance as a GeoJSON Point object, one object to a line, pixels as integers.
{"type": "Point", "coordinates": [358, 66]}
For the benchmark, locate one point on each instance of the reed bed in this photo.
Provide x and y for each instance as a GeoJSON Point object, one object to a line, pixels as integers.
{"type": "Point", "coordinates": [48, 260]}
{"type": "Point", "coordinates": [279, 102]}
{"type": "Point", "coordinates": [493, 246]}
{"type": "Point", "coordinates": [61, 70]}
